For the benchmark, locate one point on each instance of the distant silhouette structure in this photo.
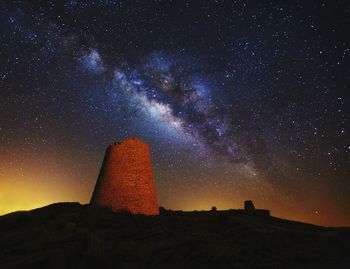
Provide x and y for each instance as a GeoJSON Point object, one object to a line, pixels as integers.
{"type": "Point", "coordinates": [125, 181]}
{"type": "Point", "coordinates": [250, 210]}
{"type": "Point", "coordinates": [249, 205]}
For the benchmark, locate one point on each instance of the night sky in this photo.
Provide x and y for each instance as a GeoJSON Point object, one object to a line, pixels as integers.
{"type": "Point", "coordinates": [237, 99]}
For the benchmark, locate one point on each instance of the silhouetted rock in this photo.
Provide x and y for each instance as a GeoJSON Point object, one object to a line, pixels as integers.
{"type": "Point", "coordinates": [162, 210]}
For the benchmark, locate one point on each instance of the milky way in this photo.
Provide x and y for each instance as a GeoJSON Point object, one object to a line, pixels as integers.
{"type": "Point", "coordinates": [238, 100]}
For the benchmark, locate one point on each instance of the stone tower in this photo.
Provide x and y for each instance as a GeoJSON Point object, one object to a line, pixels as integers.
{"type": "Point", "coordinates": [125, 181]}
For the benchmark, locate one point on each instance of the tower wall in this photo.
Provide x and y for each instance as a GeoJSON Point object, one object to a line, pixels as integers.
{"type": "Point", "coordinates": [125, 181]}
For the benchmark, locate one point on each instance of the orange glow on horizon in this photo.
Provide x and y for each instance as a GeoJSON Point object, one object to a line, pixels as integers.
{"type": "Point", "coordinates": [46, 180]}
{"type": "Point", "coordinates": [40, 182]}
{"type": "Point", "coordinates": [17, 194]}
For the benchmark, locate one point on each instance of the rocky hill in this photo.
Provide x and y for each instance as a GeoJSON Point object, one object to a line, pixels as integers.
{"type": "Point", "coordinates": [70, 235]}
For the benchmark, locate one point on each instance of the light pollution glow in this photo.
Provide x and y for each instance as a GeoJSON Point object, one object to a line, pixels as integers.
{"type": "Point", "coordinates": [47, 180]}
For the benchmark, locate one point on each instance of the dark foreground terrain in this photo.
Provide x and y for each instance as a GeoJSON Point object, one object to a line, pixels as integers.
{"type": "Point", "coordinates": [70, 235]}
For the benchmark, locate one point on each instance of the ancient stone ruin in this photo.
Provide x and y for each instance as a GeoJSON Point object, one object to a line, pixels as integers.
{"type": "Point", "coordinates": [249, 206]}
{"type": "Point", "coordinates": [125, 181]}
{"type": "Point", "coordinates": [249, 209]}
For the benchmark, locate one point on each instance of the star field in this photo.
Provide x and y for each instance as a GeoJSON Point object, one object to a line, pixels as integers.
{"type": "Point", "coordinates": [238, 100]}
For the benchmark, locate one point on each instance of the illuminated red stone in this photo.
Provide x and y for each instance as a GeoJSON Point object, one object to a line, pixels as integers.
{"type": "Point", "coordinates": [125, 181]}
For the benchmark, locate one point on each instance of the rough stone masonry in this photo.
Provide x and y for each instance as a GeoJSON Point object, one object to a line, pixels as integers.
{"type": "Point", "coordinates": [126, 181]}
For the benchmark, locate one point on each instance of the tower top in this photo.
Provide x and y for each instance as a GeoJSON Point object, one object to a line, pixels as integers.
{"type": "Point", "coordinates": [128, 140]}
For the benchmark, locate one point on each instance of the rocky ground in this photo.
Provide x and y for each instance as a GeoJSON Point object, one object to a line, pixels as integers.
{"type": "Point", "coordinates": [70, 235]}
